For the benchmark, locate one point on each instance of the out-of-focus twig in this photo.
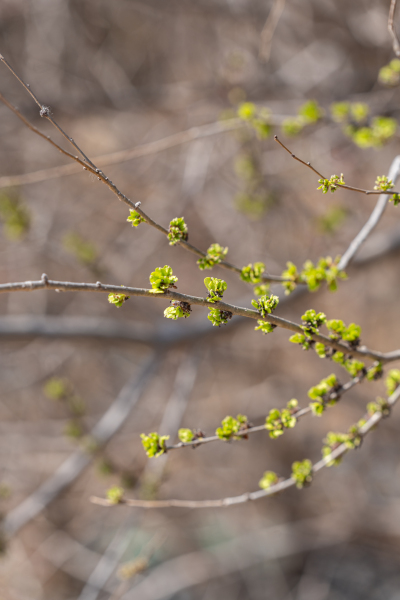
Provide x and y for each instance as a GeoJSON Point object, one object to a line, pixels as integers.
{"type": "Point", "coordinates": [269, 29]}
{"type": "Point", "coordinates": [173, 414]}
{"type": "Point", "coordinates": [391, 28]}
{"type": "Point", "coordinates": [71, 468]}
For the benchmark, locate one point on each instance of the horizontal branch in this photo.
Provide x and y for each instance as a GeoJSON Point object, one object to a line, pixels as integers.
{"type": "Point", "coordinates": [250, 496]}
{"type": "Point", "coordinates": [344, 186]}
{"type": "Point", "coordinates": [66, 286]}
{"type": "Point", "coordinates": [334, 395]}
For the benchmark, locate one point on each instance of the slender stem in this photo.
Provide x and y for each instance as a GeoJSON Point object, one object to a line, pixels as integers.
{"type": "Point", "coordinates": [65, 286]}
{"type": "Point", "coordinates": [392, 31]}
{"type": "Point", "coordinates": [334, 395]}
{"type": "Point", "coordinates": [247, 497]}
{"type": "Point", "coordinates": [346, 187]}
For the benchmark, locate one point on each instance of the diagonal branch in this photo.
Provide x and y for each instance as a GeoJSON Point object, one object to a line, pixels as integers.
{"type": "Point", "coordinates": [392, 31]}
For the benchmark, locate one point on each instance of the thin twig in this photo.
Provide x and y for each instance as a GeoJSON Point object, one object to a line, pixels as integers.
{"type": "Point", "coordinates": [66, 286]}
{"type": "Point", "coordinates": [373, 220]}
{"type": "Point", "coordinates": [170, 141]}
{"type": "Point", "coordinates": [250, 496]}
{"type": "Point", "coordinates": [122, 197]}
{"type": "Point", "coordinates": [298, 414]}
{"type": "Point", "coordinates": [392, 31]}
{"type": "Point", "coordinates": [269, 29]}
{"type": "Point", "coordinates": [346, 187]}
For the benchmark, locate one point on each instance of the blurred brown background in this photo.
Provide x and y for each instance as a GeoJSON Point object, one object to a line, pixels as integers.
{"type": "Point", "coordinates": [119, 74]}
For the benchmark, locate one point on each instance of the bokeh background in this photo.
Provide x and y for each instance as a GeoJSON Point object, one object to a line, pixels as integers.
{"type": "Point", "coordinates": [123, 74]}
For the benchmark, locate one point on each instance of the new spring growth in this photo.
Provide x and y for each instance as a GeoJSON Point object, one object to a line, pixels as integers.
{"type": "Point", "coordinates": [135, 218]}
{"type": "Point", "coordinates": [310, 112]}
{"type": "Point", "coordinates": [219, 317]}
{"type": "Point", "coordinates": [383, 183]}
{"type": "Point", "coordinates": [253, 273]}
{"type": "Point", "coordinates": [313, 275]}
{"type": "Point", "coordinates": [188, 435]}
{"type": "Point", "coordinates": [312, 321]}
{"type": "Point", "coordinates": [381, 405]}
{"type": "Point", "coordinates": [264, 326]}
{"type": "Point", "coordinates": [216, 288]}
{"type": "Point", "coordinates": [392, 381]}
{"type": "Point", "coordinates": [177, 310]}
{"type": "Point", "coordinates": [268, 479]}
{"type": "Point", "coordinates": [333, 440]}
{"type": "Point", "coordinates": [162, 279]}
{"type": "Point", "coordinates": [331, 185]}
{"type": "Point", "coordinates": [320, 394]}
{"type": "Point", "coordinates": [265, 304]}
{"type": "Point", "coordinates": [117, 299]}
{"type": "Point", "coordinates": [154, 444]}
{"type": "Point", "coordinates": [115, 494]}
{"type": "Point", "coordinates": [279, 420]}
{"type": "Point", "coordinates": [178, 230]}
{"type": "Point", "coordinates": [390, 74]}
{"type": "Point", "coordinates": [338, 330]}
{"type": "Point", "coordinates": [230, 426]}
{"type": "Point", "coordinates": [302, 472]}
{"type": "Point", "coordinates": [215, 254]}
{"type": "Point", "coordinates": [258, 118]}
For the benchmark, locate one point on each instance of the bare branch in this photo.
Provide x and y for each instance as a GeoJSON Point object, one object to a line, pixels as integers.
{"type": "Point", "coordinates": [73, 466]}
{"type": "Point", "coordinates": [392, 31]}
{"type": "Point", "coordinates": [66, 286]}
{"type": "Point", "coordinates": [269, 29]}
{"type": "Point", "coordinates": [250, 496]}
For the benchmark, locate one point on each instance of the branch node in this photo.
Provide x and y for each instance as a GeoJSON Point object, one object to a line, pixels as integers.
{"type": "Point", "coordinates": [137, 204]}
{"type": "Point", "coordinates": [45, 110]}
{"type": "Point", "coordinates": [45, 279]}
{"type": "Point", "coordinates": [98, 284]}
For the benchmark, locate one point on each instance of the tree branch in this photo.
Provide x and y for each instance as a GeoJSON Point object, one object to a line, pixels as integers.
{"type": "Point", "coordinates": [250, 496]}
{"type": "Point", "coordinates": [66, 286]}
{"type": "Point", "coordinates": [392, 31]}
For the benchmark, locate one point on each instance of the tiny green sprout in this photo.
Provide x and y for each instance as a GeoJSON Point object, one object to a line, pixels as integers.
{"type": "Point", "coordinates": [332, 441]}
{"type": "Point", "coordinates": [266, 304]}
{"type": "Point", "coordinates": [292, 404]}
{"type": "Point", "coordinates": [338, 357]}
{"type": "Point", "coordinates": [320, 349]}
{"type": "Point", "coordinates": [359, 111]}
{"type": "Point", "coordinates": [331, 185]}
{"type": "Point", "coordinates": [215, 254]}
{"type": "Point", "coordinates": [383, 183]}
{"type": "Point", "coordinates": [390, 74]}
{"type": "Point", "coordinates": [262, 289]}
{"type": "Point", "coordinates": [14, 215]}
{"type": "Point", "coordinates": [246, 111]}
{"type": "Point", "coordinates": [354, 367]}
{"type": "Point", "coordinates": [312, 321]}
{"type": "Point", "coordinates": [268, 480]}
{"type": "Point", "coordinates": [154, 444]}
{"type": "Point", "coordinates": [375, 372]}
{"type": "Point", "coordinates": [253, 273]}
{"type": "Point", "coordinates": [310, 111]}
{"type": "Point", "coordinates": [292, 275]}
{"type": "Point", "coordinates": [381, 405]}
{"type": "Point", "coordinates": [230, 426]}
{"type": "Point", "coordinates": [117, 299]}
{"type": "Point", "coordinates": [162, 279]}
{"type": "Point", "coordinates": [57, 388]}
{"type": "Point", "coordinates": [177, 310]}
{"type": "Point", "coordinates": [352, 334]}
{"type": "Point", "coordinates": [395, 199]}
{"type": "Point", "coordinates": [340, 111]}
{"type": "Point", "coordinates": [302, 472]}
{"type": "Point", "coordinates": [115, 495]}
{"type": "Point", "coordinates": [185, 435]}
{"type": "Point", "coordinates": [219, 317]}
{"type": "Point", "coordinates": [325, 270]}
{"type": "Point", "coordinates": [277, 421]}
{"type": "Point", "coordinates": [320, 394]}
{"type": "Point", "coordinates": [337, 327]}
{"type": "Point", "coordinates": [392, 381]}
{"type": "Point", "coordinates": [292, 126]}
{"type": "Point", "coordinates": [178, 230]}
{"type": "Point", "coordinates": [262, 128]}
{"type": "Point", "coordinates": [135, 218]}
{"type": "Point", "coordinates": [264, 326]}
{"type": "Point", "coordinates": [299, 338]}
{"type": "Point", "coordinates": [216, 288]}
{"type": "Point", "coordinates": [383, 128]}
